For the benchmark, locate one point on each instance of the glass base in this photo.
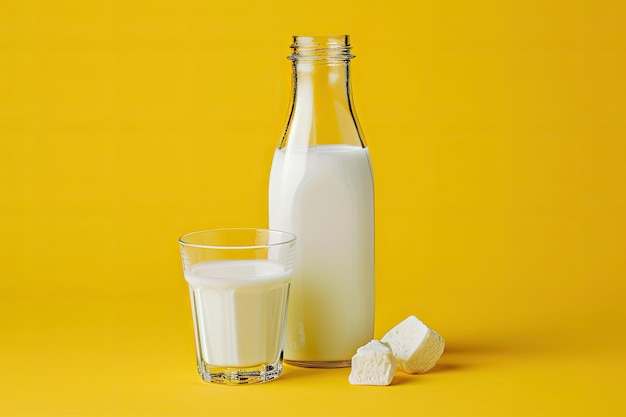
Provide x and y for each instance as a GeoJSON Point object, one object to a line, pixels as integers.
{"type": "Point", "coordinates": [234, 375]}
{"type": "Point", "coordinates": [321, 364]}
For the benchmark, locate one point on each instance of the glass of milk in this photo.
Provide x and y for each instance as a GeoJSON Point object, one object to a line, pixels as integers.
{"type": "Point", "coordinates": [239, 287]}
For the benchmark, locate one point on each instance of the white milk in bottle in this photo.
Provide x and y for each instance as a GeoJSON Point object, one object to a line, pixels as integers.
{"type": "Point", "coordinates": [321, 190]}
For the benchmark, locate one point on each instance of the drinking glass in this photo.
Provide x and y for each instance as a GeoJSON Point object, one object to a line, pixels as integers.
{"type": "Point", "coordinates": [239, 288]}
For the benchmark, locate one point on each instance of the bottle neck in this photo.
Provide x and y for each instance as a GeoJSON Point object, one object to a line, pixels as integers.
{"type": "Point", "coordinates": [322, 97]}
{"type": "Point", "coordinates": [321, 68]}
{"type": "Point", "coordinates": [321, 84]}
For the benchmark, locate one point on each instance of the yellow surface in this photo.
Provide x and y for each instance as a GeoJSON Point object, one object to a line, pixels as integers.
{"type": "Point", "coordinates": [498, 137]}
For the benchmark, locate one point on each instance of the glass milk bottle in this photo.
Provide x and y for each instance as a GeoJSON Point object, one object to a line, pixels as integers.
{"type": "Point", "coordinates": [321, 190]}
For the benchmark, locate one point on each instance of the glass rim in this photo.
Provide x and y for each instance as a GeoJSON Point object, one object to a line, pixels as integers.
{"type": "Point", "coordinates": [289, 238]}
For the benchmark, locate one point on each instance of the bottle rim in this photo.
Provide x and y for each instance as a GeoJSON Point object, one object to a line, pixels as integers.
{"type": "Point", "coordinates": [321, 48]}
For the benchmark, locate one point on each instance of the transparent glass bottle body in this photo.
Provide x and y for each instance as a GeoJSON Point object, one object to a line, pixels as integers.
{"type": "Point", "coordinates": [321, 189]}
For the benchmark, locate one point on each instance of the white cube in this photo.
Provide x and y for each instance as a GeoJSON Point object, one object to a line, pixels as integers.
{"type": "Point", "coordinates": [417, 347]}
{"type": "Point", "coordinates": [373, 364]}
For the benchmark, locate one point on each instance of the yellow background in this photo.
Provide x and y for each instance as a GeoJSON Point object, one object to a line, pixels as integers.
{"type": "Point", "coordinates": [497, 133]}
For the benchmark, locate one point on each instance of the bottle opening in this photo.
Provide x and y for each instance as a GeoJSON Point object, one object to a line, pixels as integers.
{"type": "Point", "coordinates": [321, 47]}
